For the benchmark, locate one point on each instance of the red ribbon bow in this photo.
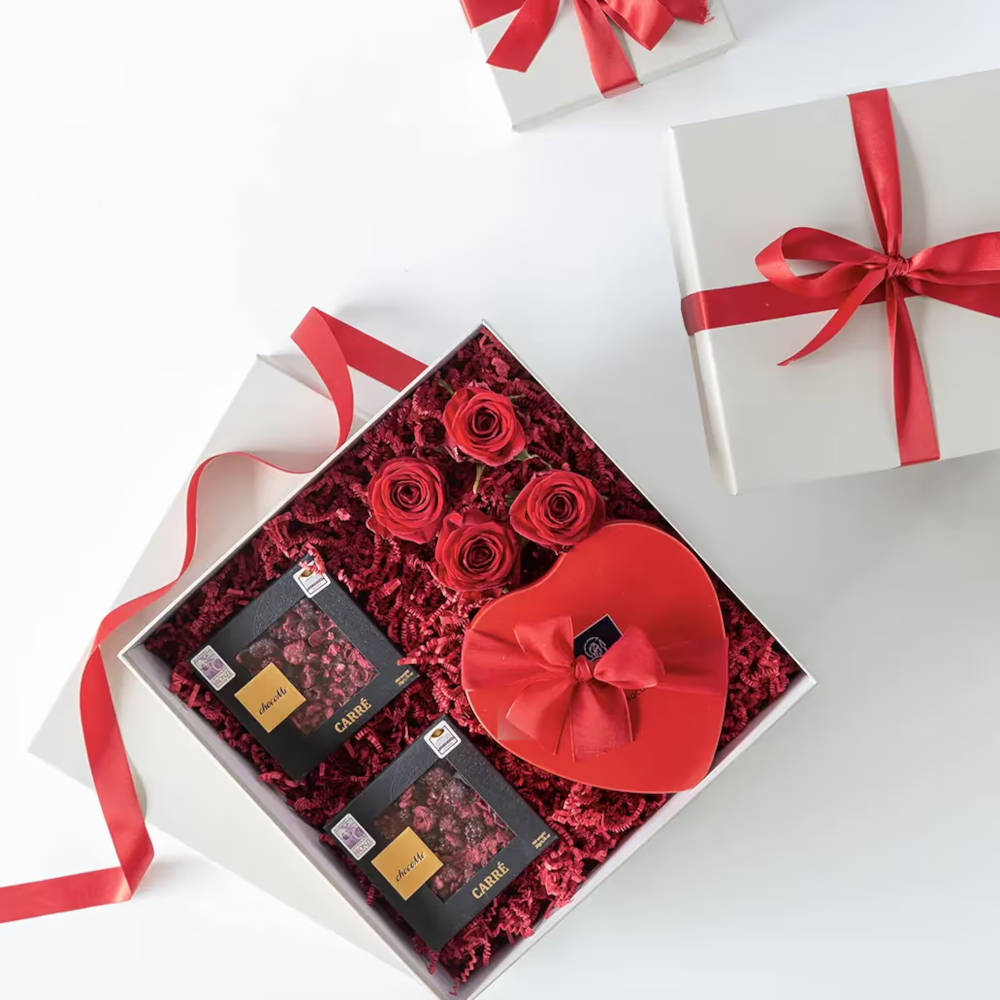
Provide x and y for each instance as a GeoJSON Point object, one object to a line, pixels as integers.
{"type": "Point", "coordinates": [646, 21]}
{"type": "Point", "coordinates": [964, 272]}
{"type": "Point", "coordinates": [562, 693]}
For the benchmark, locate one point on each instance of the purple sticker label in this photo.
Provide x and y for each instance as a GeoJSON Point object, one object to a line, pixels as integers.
{"type": "Point", "coordinates": [355, 838]}
{"type": "Point", "coordinates": [213, 668]}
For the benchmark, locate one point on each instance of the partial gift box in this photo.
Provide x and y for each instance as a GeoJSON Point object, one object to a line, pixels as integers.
{"type": "Point", "coordinates": [891, 351]}
{"type": "Point", "coordinates": [550, 57]}
{"type": "Point", "coordinates": [403, 595]}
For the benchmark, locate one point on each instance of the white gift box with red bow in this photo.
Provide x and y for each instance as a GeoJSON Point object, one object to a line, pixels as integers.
{"type": "Point", "coordinates": [561, 77]}
{"type": "Point", "coordinates": [736, 184]}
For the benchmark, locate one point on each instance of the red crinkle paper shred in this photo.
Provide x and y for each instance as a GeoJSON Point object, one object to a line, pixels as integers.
{"type": "Point", "coordinates": [394, 582]}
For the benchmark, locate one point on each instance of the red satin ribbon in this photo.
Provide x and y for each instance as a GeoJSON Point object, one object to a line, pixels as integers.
{"type": "Point", "coordinates": [646, 21]}
{"type": "Point", "coordinates": [567, 696]}
{"type": "Point", "coordinates": [331, 346]}
{"type": "Point", "coordinates": [964, 272]}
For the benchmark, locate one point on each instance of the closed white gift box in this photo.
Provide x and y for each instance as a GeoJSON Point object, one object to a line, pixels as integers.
{"type": "Point", "coordinates": [737, 184]}
{"type": "Point", "coordinates": [561, 79]}
{"type": "Point", "coordinates": [175, 751]}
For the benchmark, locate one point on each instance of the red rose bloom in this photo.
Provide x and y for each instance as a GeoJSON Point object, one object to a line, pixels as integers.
{"type": "Point", "coordinates": [475, 553]}
{"type": "Point", "coordinates": [407, 500]}
{"type": "Point", "coordinates": [557, 509]}
{"type": "Point", "coordinates": [484, 426]}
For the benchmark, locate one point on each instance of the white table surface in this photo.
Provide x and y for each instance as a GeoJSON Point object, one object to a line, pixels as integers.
{"type": "Point", "coordinates": [180, 182]}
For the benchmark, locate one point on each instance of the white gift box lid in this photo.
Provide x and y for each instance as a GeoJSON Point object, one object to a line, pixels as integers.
{"type": "Point", "coordinates": [561, 80]}
{"type": "Point", "coordinates": [736, 184]}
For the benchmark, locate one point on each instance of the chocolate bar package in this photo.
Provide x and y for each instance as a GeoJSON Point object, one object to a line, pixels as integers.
{"type": "Point", "coordinates": [302, 667]}
{"type": "Point", "coordinates": [440, 833]}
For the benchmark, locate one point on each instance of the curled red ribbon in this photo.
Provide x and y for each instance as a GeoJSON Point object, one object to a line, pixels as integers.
{"type": "Point", "coordinates": [964, 272]}
{"type": "Point", "coordinates": [564, 696]}
{"type": "Point", "coordinates": [331, 345]}
{"type": "Point", "coordinates": [645, 21]}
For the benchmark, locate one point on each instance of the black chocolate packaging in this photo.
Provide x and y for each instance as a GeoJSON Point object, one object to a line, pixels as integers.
{"type": "Point", "coordinates": [441, 833]}
{"type": "Point", "coordinates": [303, 668]}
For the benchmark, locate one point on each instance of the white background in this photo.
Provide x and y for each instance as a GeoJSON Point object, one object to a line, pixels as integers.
{"type": "Point", "coordinates": [179, 182]}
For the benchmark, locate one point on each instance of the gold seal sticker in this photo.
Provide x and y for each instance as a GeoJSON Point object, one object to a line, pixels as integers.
{"type": "Point", "coordinates": [270, 697]}
{"type": "Point", "coordinates": [407, 863]}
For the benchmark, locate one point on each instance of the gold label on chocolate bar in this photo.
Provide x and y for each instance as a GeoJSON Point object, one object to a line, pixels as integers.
{"type": "Point", "coordinates": [270, 697]}
{"type": "Point", "coordinates": [352, 715]}
{"type": "Point", "coordinates": [407, 863]}
{"type": "Point", "coordinates": [495, 877]}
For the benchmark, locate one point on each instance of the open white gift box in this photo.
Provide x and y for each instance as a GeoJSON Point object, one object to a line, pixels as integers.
{"type": "Point", "coordinates": [560, 79]}
{"type": "Point", "coordinates": [736, 184]}
{"type": "Point", "coordinates": [277, 850]}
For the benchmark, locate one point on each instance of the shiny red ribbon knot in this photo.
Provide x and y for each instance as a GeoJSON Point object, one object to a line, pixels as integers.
{"type": "Point", "coordinates": [645, 21]}
{"type": "Point", "coordinates": [964, 272]}
{"type": "Point", "coordinates": [565, 696]}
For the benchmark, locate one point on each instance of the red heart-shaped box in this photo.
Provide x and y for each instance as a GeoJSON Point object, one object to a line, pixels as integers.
{"type": "Point", "coordinates": [639, 576]}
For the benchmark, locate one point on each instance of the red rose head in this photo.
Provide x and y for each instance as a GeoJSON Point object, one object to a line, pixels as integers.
{"type": "Point", "coordinates": [407, 500]}
{"type": "Point", "coordinates": [557, 509]}
{"type": "Point", "coordinates": [475, 553]}
{"type": "Point", "coordinates": [484, 426]}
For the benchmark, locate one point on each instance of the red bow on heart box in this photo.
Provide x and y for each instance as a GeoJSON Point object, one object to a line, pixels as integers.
{"type": "Point", "coordinates": [564, 696]}
{"type": "Point", "coordinates": [645, 21]}
{"type": "Point", "coordinates": [638, 711]}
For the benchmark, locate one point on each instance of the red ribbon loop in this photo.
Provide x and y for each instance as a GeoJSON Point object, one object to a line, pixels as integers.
{"type": "Point", "coordinates": [563, 696]}
{"type": "Point", "coordinates": [645, 21]}
{"type": "Point", "coordinates": [331, 346]}
{"type": "Point", "coordinates": [964, 272]}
